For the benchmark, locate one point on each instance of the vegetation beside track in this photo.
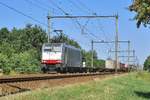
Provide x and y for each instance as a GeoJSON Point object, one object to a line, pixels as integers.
{"type": "Point", "coordinates": [134, 86]}
{"type": "Point", "coordinates": [20, 49]}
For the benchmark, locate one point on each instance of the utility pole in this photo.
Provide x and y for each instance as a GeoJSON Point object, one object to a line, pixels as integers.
{"type": "Point", "coordinates": [92, 58]}
{"type": "Point", "coordinates": [49, 31]}
{"type": "Point", "coordinates": [134, 56]}
{"type": "Point", "coordinates": [128, 55]}
{"type": "Point", "coordinates": [137, 63]}
{"type": "Point", "coordinates": [116, 45]}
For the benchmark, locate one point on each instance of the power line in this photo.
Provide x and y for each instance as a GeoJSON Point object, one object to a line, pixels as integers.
{"type": "Point", "coordinates": [75, 20]}
{"type": "Point", "coordinates": [44, 5]}
{"type": "Point", "coordinates": [73, 3]}
{"type": "Point", "coordinates": [85, 6]}
{"type": "Point", "coordinates": [101, 29]}
{"type": "Point", "coordinates": [21, 13]}
{"type": "Point", "coordinates": [59, 8]}
{"type": "Point", "coordinates": [89, 10]}
{"type": "Point", "coordinates": [92, 12]}
{"type": "Point", "coordinates": [36, 5]}
{"type": "Point", "coordinates": [85, 28]}
{"type": "Point", "coordinates": [41, 5]}
{"type": "Point", "coordinates": [77, 6]}
{"type": "Point", "coordinates": [62, 10]}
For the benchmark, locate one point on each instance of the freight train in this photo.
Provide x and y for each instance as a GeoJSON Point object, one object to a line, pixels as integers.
{"type": "Point", "coordinates": [60, 57]}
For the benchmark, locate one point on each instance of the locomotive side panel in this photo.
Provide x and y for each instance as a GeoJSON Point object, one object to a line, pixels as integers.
{"type": "Point", "coordinates": [72, 57]}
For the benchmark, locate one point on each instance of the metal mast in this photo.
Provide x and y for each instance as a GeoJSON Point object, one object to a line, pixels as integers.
{"type": "Point", "coordinates": [48, 32]}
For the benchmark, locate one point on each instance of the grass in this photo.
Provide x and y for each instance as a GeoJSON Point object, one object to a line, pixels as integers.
{"type": "Point", "coordinates": [135, 86]}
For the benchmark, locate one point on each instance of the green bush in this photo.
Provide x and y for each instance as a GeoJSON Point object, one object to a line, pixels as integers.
{"type": "Point", "coordinates": [147, 64]}
{"type": "Point", "coordinates": [27, 61]}
{"type": "Point", "coordinates": [6, 70]}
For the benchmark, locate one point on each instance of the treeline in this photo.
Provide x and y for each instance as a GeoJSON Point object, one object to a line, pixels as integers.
{"type": "Point", "coordinates": [20, 49]}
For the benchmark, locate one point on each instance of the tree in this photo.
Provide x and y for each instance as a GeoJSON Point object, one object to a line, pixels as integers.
{"type": "Point", "coordinates": [142, 10]}
{"type": "Point", "coordinates": [99, 63]}
{"type": "Point", "coordinates": [21, 48]}
{"type": "Point", "coordinates": [147, 64]}
{"type": "Point", "coordinates": [4, 35]}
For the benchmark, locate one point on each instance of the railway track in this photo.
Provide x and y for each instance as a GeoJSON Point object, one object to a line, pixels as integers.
{"type": "Point", "coordinates": [47, 77]}
{"type": "Point", "coordinates": [18, 84]}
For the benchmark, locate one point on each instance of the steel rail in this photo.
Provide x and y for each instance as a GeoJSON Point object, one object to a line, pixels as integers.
{"type": "Point", "coordinates": [36, 78]}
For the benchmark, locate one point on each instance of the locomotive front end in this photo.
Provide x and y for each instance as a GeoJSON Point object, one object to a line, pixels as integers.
{"type": "Point", "coordinates": [51, 55]}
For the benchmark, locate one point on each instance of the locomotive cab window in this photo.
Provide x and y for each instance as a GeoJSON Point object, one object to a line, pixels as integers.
{"type": "Point", "coordinates": [47, 50]}
{"type": "Point", "coordinates": [52, 48]}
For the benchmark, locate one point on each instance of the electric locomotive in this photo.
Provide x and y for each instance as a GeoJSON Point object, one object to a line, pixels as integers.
{"type": "Point", "coordinates": [60, 57]}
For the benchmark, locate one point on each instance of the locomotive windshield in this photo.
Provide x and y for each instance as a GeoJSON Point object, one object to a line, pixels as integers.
{"type": "Point", "coordinates": [52, 48]}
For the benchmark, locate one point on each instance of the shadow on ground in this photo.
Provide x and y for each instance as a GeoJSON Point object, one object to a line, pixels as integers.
{"type": "Point", "coordinates": [143, 94]}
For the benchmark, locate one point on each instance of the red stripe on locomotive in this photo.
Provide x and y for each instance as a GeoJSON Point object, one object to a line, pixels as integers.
{"type": "Point", "coordinates": [51, 61]}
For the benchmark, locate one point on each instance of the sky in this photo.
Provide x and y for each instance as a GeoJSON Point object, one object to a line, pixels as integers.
{"type": "Point", "coordinates": [96, 29]}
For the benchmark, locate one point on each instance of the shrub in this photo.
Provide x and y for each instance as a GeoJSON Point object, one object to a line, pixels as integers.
{"type": "Point", "coordinates": [6, 70]}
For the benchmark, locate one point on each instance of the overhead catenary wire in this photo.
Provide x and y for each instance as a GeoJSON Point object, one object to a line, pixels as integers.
{"type": "Point", "coordinates": [62, 10]}
{"type": "Point", "coordinates": [80, 26]}
{"type": "Point", "coordinates": [45, 5]}
{"type": "Point", "coordinates": [36, 5]}
{"type": "Point", "coordinates": [89, 11]}
{"type": "Point", "coordinates": [76, 21]}
{"type": "Point", "coordinates": [21, 13]}
{"type": "Point", "coordinates": [104, 34]}
{"type": "Point", "coordinates": [98, 21]}
{"type": "Point", "coordinates": [86, 8]}
{"type": "Point", "coordinates": [101, 29]}
{"type": "Point", "coordinates": [77, 6]}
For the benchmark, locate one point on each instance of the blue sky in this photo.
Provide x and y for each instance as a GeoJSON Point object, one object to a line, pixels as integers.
{"type": "Point", "coordinates": [104, 29]}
